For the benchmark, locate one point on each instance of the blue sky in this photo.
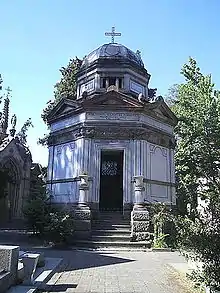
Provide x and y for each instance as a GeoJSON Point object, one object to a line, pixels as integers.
{"type": "Point", "coordinates": [40, 36]}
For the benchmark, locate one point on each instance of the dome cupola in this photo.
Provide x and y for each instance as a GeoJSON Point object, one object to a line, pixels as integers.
{"type": "Point", "coordinates": [115, 65]}
{"type": "Point", "coordinates": [113, 51]}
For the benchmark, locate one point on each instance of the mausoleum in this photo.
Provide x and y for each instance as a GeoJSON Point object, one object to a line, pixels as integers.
{"type": "Point", "coordinates": [114, 136]}
{"type": "Point", "coordinates": [15, 165]}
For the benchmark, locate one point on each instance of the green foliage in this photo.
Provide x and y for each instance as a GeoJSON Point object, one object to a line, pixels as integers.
{"type": "Point", "coordinates": [44, 140]}
{"type": "Point", "coordinates": [36, 212]}
{"type": "Point", "coordinates": [37, 208]}
{"type": "Point", "coordinates": [171, 97]}
{"type": "Point", "coordinates": [22, 134]}
{"type": "Point", "coordinates": [60, 227]}
{"type": "Point", "coordinates": [49, 223]}
{"type": "Point", "coordinates": [200, 240]}
{"type": "Point", "coordinates": [162, 220]}
{"type": "Point", "coordinates": [197, 106]}
{"type": "Point", "coordinates": [160, 240]}
{"type": "Point", "coordinates": [65, 88]}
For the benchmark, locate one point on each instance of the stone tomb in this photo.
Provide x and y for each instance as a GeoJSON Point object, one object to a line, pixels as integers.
{"type": "Point", "coordinates": [24, 270]}
{"type": "Point", "coordinates": [8, 266]}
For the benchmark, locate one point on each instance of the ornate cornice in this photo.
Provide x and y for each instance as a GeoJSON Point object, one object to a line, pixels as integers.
{"type": "Point", "coordinates": [113, 133]}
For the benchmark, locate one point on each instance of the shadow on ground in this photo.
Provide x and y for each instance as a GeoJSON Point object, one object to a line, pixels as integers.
{"type": "Point", "coordinates": [77, 260]}
{"type": "Point", "coordinates": [58, 287]}
{"type": "Point", "coordinates": [72, 259]}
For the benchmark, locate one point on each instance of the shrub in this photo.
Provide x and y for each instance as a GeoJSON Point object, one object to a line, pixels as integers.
{"type": "Point", "coordinates": [37, 213]}
{"type": "Point", "coordinates": [46, 221]}
{"type": "Point", "coordinates": [200, 239]}
{"type": "Point", "coordinates": [162, 220]}
{"type": "Point", "coordinates": [60, 227]}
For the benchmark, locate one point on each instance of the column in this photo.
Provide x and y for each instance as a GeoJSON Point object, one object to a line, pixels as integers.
{"type": "Point", "coordinates": [117, 83]}
{"type": "Point", "coordinates": [82, 212]}
{"type": "Point", "coordinates": [140, 215]}
{"type": "Point", "coordinates": [83, 190]}
{"type": "Point", "coordinates": [139, 190]}
{"type": "Point", "coordinates": [106, 83]}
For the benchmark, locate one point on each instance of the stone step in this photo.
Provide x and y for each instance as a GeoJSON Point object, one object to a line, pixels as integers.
{"type": "Point", "coordinates": [113, 221]}
{"type": "Point", "coordinates": [112, 249]}
{"type": "Point", "coordinates": [111, 232]}
{"type": "Point", "coordinates": [108, 238]}
{"type": "Point", "coordinates": [111, 244]}
{"type": "Point", "coordinates": [119, 218]}
{"type": "Point", "coordinates": [111, 226]}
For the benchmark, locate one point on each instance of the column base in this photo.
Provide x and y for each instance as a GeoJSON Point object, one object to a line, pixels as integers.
{"type": "Point", "coordinates": [140, 223]}
{"type": "Point", "coordinates": [82, 221]}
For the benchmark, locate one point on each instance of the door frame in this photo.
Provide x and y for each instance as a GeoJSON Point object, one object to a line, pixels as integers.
{"type": "Point", "coordinates": [95, 165]}
{"type": "Point", "coordinates": [123, 170]}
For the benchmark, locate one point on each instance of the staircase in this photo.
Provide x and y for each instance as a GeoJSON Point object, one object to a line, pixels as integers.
{"type": "Point", "coordinates": [111, 232]}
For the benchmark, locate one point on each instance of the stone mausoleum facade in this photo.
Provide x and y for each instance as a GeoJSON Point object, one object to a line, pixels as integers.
{"type": "Point", "coordinates": [112, 147]}
{"type": "Point", "coordinates": [15, 166]}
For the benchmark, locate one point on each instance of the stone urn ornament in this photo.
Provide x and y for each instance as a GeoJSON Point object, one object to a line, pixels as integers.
{"type": "Point", "coordinates": [83, 189]}
{"type": "Point", "coordinates": [139, 181]}
{"type": "Point", "coordinates": [139, 196]}
{"type": "Point", "coordinates": [84, 180]}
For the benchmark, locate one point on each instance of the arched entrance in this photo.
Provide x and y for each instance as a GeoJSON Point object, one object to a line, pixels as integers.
{"type": "Point", "coordinates": [9, 199]}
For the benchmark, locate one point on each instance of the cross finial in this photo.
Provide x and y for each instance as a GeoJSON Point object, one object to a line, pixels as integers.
{"type": "Point", "coordinates": [8, 90]}
{"type": "Point", "coordinates": [1, 81]}
{"type": "Point", "coordinates": [113, 34]}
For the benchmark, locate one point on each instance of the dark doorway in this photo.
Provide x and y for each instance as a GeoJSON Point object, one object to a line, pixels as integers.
{"type": "Point", "coordinates": [111, 181]}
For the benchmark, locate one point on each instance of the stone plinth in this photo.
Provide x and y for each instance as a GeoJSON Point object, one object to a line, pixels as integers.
{"type": "Point", "coordinates": [8, 266]}
{"type": "Point", "coordinates": [30, 261]}
{"type": "Point", "coordinates": [82, 222]}
{"type": "Point", "coordinates": [82, 212]}
{"type": "Point", "coordinates": [140, 225]}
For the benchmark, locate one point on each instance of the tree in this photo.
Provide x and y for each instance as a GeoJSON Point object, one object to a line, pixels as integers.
{"type": "Point", "coordinates": [66, 87]}
{"type": "Point", "coordinates": [197, 106]}
{"type": "Point", "coordinates": [171, 97]}
{"type": "Point", "coordinates": [22, 134]}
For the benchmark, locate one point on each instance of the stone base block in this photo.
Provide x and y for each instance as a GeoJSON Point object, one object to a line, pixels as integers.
{"type": "Point", "coordinates": [82, 225]}
{"type": "Point", "coordinates": [83, 235]}
{"type": "Point", "coordinates": [141, 236]}
{"type": "Point", "coordinates": [8, 264]}
{"type": "Point", "coordinates": [140, 225]}
{"type": "Point", "coordinates": [82, 222]}
{"type": "Point", "coordinates": [5, 281]}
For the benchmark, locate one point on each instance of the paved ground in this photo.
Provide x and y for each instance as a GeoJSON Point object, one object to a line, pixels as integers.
{"type": "Point", "coordinates": [96, 272]}
{"type": "Point", "coordinates": [124, 272]}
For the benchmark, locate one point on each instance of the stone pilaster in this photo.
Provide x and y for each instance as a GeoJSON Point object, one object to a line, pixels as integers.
{"type": "Point", "coordinates": [139, 216]}
{"type": "Point", "coordinates": [82, 212]}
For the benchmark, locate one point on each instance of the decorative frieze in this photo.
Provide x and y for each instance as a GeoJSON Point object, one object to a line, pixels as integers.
{"type": "Point", "coordinates": [113, 133]}
{"type": "Point", "coordinates": [67, 122]}
{"type": "Point", "coordinates": [112, 116]}
{"type": "Point", "coordinates": [128, 116]}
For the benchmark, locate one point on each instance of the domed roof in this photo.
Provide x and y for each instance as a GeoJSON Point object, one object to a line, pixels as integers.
{"type": "Point", "coordinates": [113, 51]}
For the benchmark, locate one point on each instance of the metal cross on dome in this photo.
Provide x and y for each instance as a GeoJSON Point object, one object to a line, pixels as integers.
{"type": "Point", "coordinates": [113, 34]}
